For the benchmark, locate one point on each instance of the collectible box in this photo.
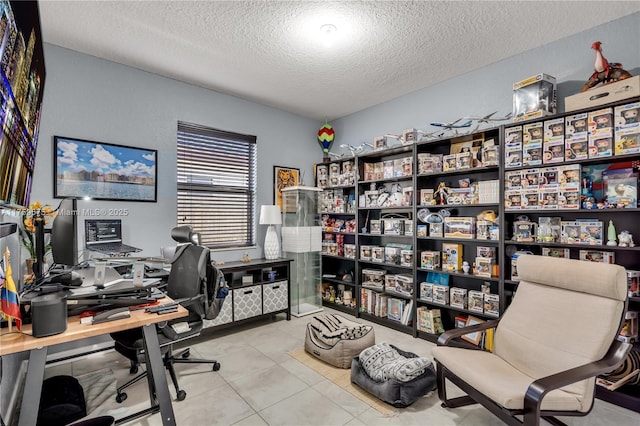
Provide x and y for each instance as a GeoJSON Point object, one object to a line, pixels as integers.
{"type": "Point", "coordinates": [409, 136]}
{"type": "Point", "coordinates": [373, 278]}
{"type": "Point", "coordinates": [387, 169]}
{"type": "Point", "coordinates": [459, 227]}
{"type": "Point", "coordinates": [369, 171]}
{"type": "Point", "coordinates": [591, 232]}
{"type": "Point", "coordinates": [406, 166]}
{"type": "Point", "coordinates": [421, 230]}
{"type": "Point", "coordinates": [525, 231]}
{"type": "Point", "coordinates": [377, 254]}
{"type": "Point", "coordinates": [322, 174]}
{"type": "Point", "coordinates": [429, 163]}
{"type": "Point", "coordinates": [371, 198]}
{"type": "Point", "coordinates": [600, 147]}
{"type": "Point", "coordinates": [441, 294]}
{"type": "Point", "coordinates": [350, 251]}
{"type": "Point", "coordinates": [430, 260]}
{"type": "Point", "coordinates": [464, 160]}
{"type": "Point", "coordinates": [529, 198]}
{"type": "Point", "coordinates": [451, 256]}
{"type": "Point", "coordinates": [570, 232]}
{"type": "Point", "coordinates": [390, 281]}
{"type": "Point", "coordinates": [379, 142]}
{"type": "Point", "coordinates": [512, 199]}
{"type": "Point", "coordinates": [633, 283]}
{"type": "Point", "coordinates": [627, 128]}
{"type": "Point", "coordinates": [532, 153]}
{"type": "Point", "coordinates": [556, 252]}
{"type": "Point", "coordinates": [621, 187]}
{"type": "Point", "coordinates": [486, 251]}
{"type": "Point", "coordinates": [597, 256]}
{"type": "Point", "coordinates": [408, 227]}
{"type": "Point", "coordinates": [458, 297]}
{"type": "Point", "coordinates": [629, 331]}
{"type": "Point", "coordinates": [393, 226]}
{"type": "Point", "coordinates": [404, 284]}
{"type": "Point", "coordinates": [449, 163]}
{"type": "Point", "coordinates": [426, 291]}
{"type": "Point", "coordinates": [548, 198]}
{"type": "Point", "coordinates": [612, 92]}
{"type": "Point", "coordinates": [395, 308]}
{"type": "Point", "coordinates": [534, 97]}
{"type": "Point", "coordinates": [482, 230]}
{"type": "Point", "coordinates": [489, 153]}
{"type": "Point", "coordinates": [365, 252]}
{"type": "Point", "coordinates": [513, 147]}
{"type": "Point", "coordinates": [576, 137]}
{"type": "Point", "coordinates": [549, 226]}
{"type": "Point", "coordinates": [512, 180]}
{"type": "Point", "coordinates": [436, 230]}
{"type": "Point", "coordinates": [406, 258]}
{"type": "Point", "coordinates": [392, 255]}
{"type": "Point", "coordinates": [492, 304]}
{"type": "Point", "coordinates": [475, 301]}
{"type": "Point", "coordinates": [378, 169]}
{"type": "Point", "coordinates": [376, 226]}
{"type": "Point", "coordinates": [484, 266]}
{"type": "Point", "coordinates": [426, 196]}
{"type": "Point", "coordinates": [460, 321]}
{"type": "Point", "coordinates": [532, 133]}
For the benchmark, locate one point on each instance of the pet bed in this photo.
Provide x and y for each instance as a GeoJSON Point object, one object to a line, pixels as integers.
{"type": "Point", "coordinates": [393, 375]}
{"type": "Point", "coordinates": [336, 340]}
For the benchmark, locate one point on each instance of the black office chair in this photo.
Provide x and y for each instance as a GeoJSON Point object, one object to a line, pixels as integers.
{"type": "Point", "coordinates": [191, 273]}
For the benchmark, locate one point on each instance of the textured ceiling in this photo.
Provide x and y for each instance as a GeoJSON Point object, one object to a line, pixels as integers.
{"type": "Point", "coordinates": [270, 51]}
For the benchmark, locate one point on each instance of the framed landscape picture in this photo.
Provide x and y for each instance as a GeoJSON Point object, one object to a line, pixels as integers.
{"type": "Point", "coordinates": [283, 177]}
{"type": "Point", "coordinates": [103, 171]}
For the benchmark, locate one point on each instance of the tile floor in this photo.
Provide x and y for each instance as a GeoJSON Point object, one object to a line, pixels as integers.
{"type": "Point", "coordinates": [260, 384]}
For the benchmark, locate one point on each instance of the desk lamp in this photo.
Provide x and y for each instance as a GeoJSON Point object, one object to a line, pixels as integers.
{"type": "Point", "coordinates": [270, 215]}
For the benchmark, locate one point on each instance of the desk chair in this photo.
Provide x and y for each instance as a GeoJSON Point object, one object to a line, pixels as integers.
{"type": "Point", "coordinates": [190, 273]}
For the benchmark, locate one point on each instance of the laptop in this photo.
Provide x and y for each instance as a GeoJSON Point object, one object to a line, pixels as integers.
{"type": "Point", "coordinates": [105, 236]}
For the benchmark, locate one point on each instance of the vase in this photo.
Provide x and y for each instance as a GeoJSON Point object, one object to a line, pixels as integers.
{"type": "Point", "coordinates": [30, 263]}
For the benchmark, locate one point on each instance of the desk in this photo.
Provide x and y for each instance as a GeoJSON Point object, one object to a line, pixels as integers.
{"type": "Point", "coordinates": [37, 347]}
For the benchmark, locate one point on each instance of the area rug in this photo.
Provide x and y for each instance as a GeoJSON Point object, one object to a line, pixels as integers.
{"type": "Point", "coordinates": [342, 378]}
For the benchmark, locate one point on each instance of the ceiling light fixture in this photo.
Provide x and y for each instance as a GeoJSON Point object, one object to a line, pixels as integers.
{"type": "Point", "coordinates": [328, 33]}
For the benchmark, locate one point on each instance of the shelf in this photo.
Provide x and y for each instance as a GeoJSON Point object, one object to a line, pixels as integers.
{"type": "Point", "coordinates": [581, 211]}
{"type": "Point", "coordinates": [599, 160]}
{"type": "Point", "coordinates": [385, 264]}
{"type": "Point", "coordinates": [336, 257]}
{"type": "Point", "coordinates": [460, 274]}
{"type": "Point", "coordinates": [405, 208]}
{"type": "Point", "coordinates": [338, 187]}
{"type": "Point", "coordinates": [453, 308]}
{"type": "Point", "coordinates": [457, 206]}
{"type": "Point", "coordinates": [361, 234]}
{"type": "Point", "coordinates": [626, 396]}
{"type": "Point", "coordinates": [339, 307]}
{"type": "Point", "coordinates": [576, 246]}
{"type": "Point", "coordinates": [338, 213]}
{"type": "Point", "coordinates": [396, 325]}
{"type": "Point", "coordinates": [339, 232]}
{"type": "Point", "coordinates": [461, 172]}
{"type": "Point", "coordinates": [388, 292]}
{"type": "Point", "coordinates": [385, 180]}
{"type": "Point", "coordinates": [338, 281]}
{"type": "Point", "coordinates": [461, 240]}
{"type": "Point", "coordinates": [430, 337]}
{"type": "Point", "coordinates": [387, 152]}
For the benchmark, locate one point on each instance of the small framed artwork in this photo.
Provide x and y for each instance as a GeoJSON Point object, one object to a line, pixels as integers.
{"type": "Point", "coordinates": [476, 337]}
{"type": "Point", "coordinates": [283, 177]}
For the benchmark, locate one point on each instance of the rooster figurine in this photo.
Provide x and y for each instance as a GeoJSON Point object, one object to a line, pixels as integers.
{"type": "Point", "coordinates": [605, 71]}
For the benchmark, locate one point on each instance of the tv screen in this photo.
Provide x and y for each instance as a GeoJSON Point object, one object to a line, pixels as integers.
{"type": "Point", "coordinates": [103, 171]}
{"type": "Point", "coordinates": [22, 75]}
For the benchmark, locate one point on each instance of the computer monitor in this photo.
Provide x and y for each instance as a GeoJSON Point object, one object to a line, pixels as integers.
{"type": "Point", "coordinates": [64, 240]}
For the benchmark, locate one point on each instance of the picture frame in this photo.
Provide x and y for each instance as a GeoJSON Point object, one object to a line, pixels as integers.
{"type": "Point", "coordinates": [104, 171]}
{"type": "Point", "coordinates": [283, 177]}
{"type": "Point", "coordinates": [476, 337]}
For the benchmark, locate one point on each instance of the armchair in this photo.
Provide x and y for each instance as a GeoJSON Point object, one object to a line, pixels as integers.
{"type": "Point", "coordinates": [557, 335]}
{"type": "Point", "coordinates": [187, 284]}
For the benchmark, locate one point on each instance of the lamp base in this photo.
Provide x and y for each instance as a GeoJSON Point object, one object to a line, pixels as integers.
{"type": "Point", "coordinates": [271, 244]}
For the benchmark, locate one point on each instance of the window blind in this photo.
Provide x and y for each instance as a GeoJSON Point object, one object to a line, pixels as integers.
{"type": "Point", "coordinates": [216, 185]}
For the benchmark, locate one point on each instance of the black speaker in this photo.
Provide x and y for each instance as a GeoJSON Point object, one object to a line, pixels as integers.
{"type": "Point", "coordinates": [48, 315]}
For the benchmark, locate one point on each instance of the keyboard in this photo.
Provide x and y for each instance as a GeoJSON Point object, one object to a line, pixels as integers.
{"type": "Point", "coordinates": [115, 248]}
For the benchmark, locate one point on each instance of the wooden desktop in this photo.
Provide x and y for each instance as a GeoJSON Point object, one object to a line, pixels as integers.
{"type": "Point", "coordinates": [11, 343]}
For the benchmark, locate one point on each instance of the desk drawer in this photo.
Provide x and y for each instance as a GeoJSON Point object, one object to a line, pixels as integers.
{"type": "Point", "coordinates": [275, 296]}
{"type": "Point", "coordinates": [247, 302]}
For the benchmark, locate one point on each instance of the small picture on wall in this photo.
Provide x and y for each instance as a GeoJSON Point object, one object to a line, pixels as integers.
{"type": "Point", "coordinates": [283, 177]}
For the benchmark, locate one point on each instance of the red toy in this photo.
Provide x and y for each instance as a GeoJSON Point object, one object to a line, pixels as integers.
{"type": "Point", "coordinates": [605, 71]}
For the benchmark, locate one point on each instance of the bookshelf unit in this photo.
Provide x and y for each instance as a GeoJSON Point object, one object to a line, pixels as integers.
{"type": "Point", "coordinates": [532, 201]}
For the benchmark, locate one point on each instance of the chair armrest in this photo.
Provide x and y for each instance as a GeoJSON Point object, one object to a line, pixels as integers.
{"type": "Point", "coordinates": [446, 337]}
{"type": "Point", "coordinates": [539, 388]}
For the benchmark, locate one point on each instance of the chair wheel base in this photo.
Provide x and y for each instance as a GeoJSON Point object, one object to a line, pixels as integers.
{"type": "Point", "coordinates": [133, 369]}
{"type": "Point", "coordinates": [181, 395]}
{"type": "Point", "coordinates": [216, 366]}
{"type": "Point", "coordinates": [186, 354]}
{"type": "Point", "coordinates": [121, 397]}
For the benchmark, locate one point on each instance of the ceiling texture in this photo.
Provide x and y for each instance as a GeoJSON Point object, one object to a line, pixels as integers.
{"type": "Point", "coordinates": [271, 52]}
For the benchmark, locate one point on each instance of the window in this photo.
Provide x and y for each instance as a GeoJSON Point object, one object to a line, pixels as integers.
{"type": "Point", "coordinates": [217, 185]}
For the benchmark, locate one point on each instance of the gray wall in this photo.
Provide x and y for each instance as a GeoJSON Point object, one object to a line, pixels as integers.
{"type": "Point", "coordinates": [90, 98]}
{"type": "Point", "coordinates": [489, 89]}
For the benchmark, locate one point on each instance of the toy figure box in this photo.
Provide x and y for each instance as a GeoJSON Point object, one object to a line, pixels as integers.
{"type": "Point", "coordinates": [377, 254]}
{"type": "Point", "coordinates": [601, 95]}
{"type": "Point", "coordinates": [475, 301]}
{"type": "Point", "coordinates": [441, 294]}
{"type": "Point", "coordinates": [350, 251]}
{"type": "Point", "coordinates": [430, 260]}
{"type": "Point", "coordinates": [404, 284]}
{"type": "Point", "coordinates": [426, 291]}
{"type": "Point", "coordinates": [406, 258]}
{"type": "Point", "coordinates": [459, 227]}
{"type": "Point", "coordinates": [458, 297]}
{"type": "Point", "coordinates": [492, 304]}
{"type": "Point", "coordinates": [597, 256]}
{"type": "Point", "coordinates": [429, 163]}
{"type": "Point", "coordinates": [601, 133]}
{"type": "Point", "coordinates": [534, 97]}
{"type": "Point", "coordinates": [553, 143]}
{"type": "Point", "coordinates": [409, 136]}
{"type": "Point", "coordinates": [451, 256]}
{"type": "Point", "coordinates": [633, 280]}
{"type": "Point", "coordinates": [436, 230]}
{"type": "Point", "coordinates": [627, 125]}
{"type": "Point", "coordinates": [513, 147]}
{"type": "Point", "coordinates": [373, 278]}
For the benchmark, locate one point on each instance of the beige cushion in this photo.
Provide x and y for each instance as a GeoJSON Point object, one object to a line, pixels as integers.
{"type": "Point", "coordinates": [565, 313]}
{"type": "Point", "coordinates": [500, 381]}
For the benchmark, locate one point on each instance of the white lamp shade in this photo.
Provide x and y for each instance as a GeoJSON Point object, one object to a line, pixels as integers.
{"type": "Point", "coordinates": [270, 215]}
